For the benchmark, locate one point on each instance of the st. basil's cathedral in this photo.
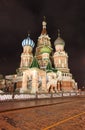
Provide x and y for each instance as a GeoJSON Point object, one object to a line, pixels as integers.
{"type": "Point", "coordinates": [45, 71]}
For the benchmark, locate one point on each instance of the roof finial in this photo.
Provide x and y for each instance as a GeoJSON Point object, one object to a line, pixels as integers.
{"type": "Point", "coordinates": [44, 22]}
{"type": "Point", "coordinates": [28, 33]}
{"type": "Point", "coordinates": [58, 32]}
{"type": "Point", "coordinates": [44, 26]}
{"type": "Point", "coordinates": [44, 18]}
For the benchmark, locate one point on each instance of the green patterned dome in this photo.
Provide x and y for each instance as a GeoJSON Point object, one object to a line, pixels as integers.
{"type": "Point", "coordinates": [45, 49]}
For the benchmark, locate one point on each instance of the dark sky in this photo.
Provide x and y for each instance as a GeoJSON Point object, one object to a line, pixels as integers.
{"type": "Point", "coordinates": [17, 17]}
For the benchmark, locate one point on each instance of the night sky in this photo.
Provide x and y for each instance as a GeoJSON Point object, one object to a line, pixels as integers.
{"type": "Point", "coordinates": [17, 17]}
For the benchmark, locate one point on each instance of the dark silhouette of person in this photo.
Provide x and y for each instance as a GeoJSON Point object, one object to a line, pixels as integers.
{"type": "Point", "coordinates": [14, 88]}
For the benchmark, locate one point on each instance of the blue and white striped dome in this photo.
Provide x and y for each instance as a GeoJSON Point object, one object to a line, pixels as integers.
{"type": "Point", "coordinates": [28, 42]}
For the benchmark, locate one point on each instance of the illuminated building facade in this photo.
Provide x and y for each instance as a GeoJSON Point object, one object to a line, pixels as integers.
{"type": "Point", "coordinates": [36, 73]}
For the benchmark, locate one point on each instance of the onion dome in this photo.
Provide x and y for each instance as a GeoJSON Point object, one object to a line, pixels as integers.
{"type": "Point", "coordinates": [28, 42]}
{"type": "Point", "coordinates": [45, 49]}
{"type": "Point", "coordinates": [59, 40]}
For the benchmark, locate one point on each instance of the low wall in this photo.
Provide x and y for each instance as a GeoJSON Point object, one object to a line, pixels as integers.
{"type": "Point", "coordinates": [8, 97]}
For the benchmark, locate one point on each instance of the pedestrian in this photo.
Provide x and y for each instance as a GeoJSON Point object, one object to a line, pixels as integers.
{"type": "Point", "coordinates": [14, 88]}
{"type": "Point", "coordinates": [13, 95]}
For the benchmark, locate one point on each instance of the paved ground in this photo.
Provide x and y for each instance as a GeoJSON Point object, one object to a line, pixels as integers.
{"type": "Point", "coordinates": [64, 114]}
{"type": "Point", "coordinates": [19, 104]}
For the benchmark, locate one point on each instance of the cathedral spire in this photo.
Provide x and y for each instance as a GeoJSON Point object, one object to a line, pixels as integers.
{"type": "Point", "coordinates": [44, 31]}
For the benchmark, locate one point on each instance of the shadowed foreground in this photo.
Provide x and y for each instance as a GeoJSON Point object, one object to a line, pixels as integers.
{"type": "Point", "coordinates": [69, 114]}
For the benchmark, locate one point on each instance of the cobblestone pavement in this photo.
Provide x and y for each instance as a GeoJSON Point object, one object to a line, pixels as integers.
{"type": "Point", "coordinates": [61, 116]}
